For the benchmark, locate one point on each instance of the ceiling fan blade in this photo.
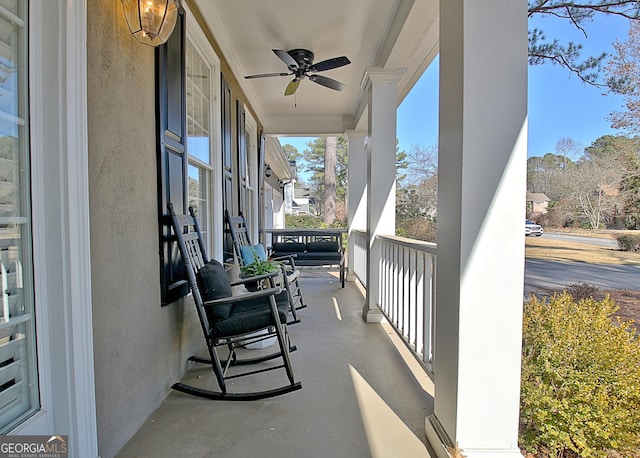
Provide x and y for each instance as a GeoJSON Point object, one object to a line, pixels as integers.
{"type": "Point", "coordinates": [330, 64]}
{"type": "Point", "coordinates": [292, 87]}
{"type": "Point", "coordinates": [266, 75]}
{"type": "Point", "coordinates": [327, 82]}
{"type": "Point", "coordinates": [286, 58]}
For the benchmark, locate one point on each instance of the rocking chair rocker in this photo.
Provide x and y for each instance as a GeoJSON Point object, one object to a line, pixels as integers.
{"type": "Point", "coordinates": [231, 321]}
{"type": "Point", "coordinates": [247, 253]}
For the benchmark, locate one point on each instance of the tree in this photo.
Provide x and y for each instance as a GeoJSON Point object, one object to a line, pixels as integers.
{"type": "Point", "coordinates": [402, 164]}
{"type": "Point", "coordinates": [417, 194]}
{"type": "Point", "coordinates": [291, 152]}
{"type": "Point", "coordinates": [592, 188]}
{"type": "Point", "coordinates": [613, 147]}
{"type": "Point", "coordinates": [314, 162]}
{"type": "Point", "coordinates": [568, 148]}
{"type": "Point", "coordinates": [547, 174]}
{"type": "Point", "coordinates": [630, 187]}
{"type": "Point", "coordinates": [596, 192]}
{"type": "Point", "coordinates": [623, 72]}
{"type": "Point", "coordinates": [568, 55]}
{"type": "Point", "coordinates": [420, 167]}
{"type": "Point", "coordinates": [330, 158]}
{"type": "Point", "coordinates": [622, 155]}
{"type": "Point", "coordinates": [293, 155]}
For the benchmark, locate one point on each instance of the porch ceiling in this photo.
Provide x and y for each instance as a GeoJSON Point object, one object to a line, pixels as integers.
{"type": "Point", "coordinates": [371, 33]}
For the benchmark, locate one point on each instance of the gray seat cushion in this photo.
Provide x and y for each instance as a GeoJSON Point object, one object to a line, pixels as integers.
{"type": "Point", "coordinates": [322, 246]}
{"type": "Point", "coordinates": [252, 315]}
{"type": "Point", "coordinates": [288, 247]}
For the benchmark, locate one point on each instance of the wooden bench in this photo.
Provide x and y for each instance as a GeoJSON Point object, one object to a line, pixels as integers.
{"type": "Point", "coordinates": [311, 247]}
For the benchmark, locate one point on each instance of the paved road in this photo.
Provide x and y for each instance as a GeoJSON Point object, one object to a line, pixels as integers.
{"type": "Point", "coordinates": [541, 275]}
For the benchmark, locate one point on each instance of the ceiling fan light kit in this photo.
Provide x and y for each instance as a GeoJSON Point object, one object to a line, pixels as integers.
{"type": "Point", "coordinates": [300, 64]}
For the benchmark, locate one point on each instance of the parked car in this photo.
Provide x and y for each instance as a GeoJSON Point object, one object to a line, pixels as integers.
{"type": "Point", "coordinates": [531, 228]}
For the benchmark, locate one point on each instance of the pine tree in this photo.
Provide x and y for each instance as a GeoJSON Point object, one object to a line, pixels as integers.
{"type": "Point", "coordinates": [542, 50]}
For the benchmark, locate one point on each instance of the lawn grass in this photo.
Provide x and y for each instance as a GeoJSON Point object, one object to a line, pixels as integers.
{"type": "Point", "coordinates": [557, 250]}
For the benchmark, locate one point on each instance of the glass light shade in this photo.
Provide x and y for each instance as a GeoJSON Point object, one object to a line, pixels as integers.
{"type": "Point", "coordinates": [151, 21]}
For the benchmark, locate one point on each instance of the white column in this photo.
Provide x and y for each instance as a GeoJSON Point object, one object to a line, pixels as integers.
{"type": "Point", "coordinates": [357, 192]}
{"type": "Point", "coordinates": [381, 88]}
{"type": "Point", "coordinates": [481, 208]}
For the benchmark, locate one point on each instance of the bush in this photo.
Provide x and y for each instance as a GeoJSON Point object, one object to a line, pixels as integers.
{"type": "Point", "coordinates": [303, 221]}
{"type": "Point", "coordinates": [582, 291]}
{"type": "Point", "coordinates": [420, 228]}
{"type": "Point", "coordinates": [311, 222]}
{"type": "Point", "coordinates": [629, 242]}
{"type": "Point", "coordinates": [580, 379]}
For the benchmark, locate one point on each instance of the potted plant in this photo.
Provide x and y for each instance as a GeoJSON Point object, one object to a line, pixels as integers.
{"type": "Point", "coordinates": [257, 268]}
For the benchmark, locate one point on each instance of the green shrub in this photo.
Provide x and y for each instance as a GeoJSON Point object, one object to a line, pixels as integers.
{"type": "Point", "coordinates": [303, 221]}
{"type": "Point", "coordinates": [580, 379]}
{"type": "Point", "coordinates": [629, 242]}
{"type": "Point", "coordinates": [311, 222]}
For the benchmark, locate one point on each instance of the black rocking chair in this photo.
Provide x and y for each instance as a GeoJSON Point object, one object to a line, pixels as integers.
{"type": "Point", "coordinates": [231, 321]}
{"type": "Point", "coordinates": [245, 251]}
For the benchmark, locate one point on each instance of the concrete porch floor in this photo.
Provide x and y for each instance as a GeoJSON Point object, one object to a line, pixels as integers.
{"type": "Point", "coordinates": [363, 394]}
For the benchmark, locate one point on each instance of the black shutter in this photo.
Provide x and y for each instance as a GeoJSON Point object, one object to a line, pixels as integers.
{"type": "Point", "coordinates": [172, 156]}
{"type": "Point", "coordinates": [261, 196]}
{"type": "Point", "coordinates": [227, 168]}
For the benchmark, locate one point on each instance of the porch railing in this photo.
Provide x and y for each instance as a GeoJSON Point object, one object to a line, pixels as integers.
{"type": "Point", "coordinates": [407, 289]}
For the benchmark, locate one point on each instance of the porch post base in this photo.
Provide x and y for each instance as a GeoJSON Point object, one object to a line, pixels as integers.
{"type": "Point", "coordinates": [372, 315]}
{"type": "Point", "coordinates": [441, 444]}
{"type": "Point", "coordinates": [437, 437]}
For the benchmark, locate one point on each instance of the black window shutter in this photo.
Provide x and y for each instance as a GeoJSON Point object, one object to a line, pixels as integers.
{"type": "Point", "coordinates": [172, 156]}
{"type": "Point", "coordinates": [227, 168]}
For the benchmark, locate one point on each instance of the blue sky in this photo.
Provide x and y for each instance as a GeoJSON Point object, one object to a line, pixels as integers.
{"type": "Point", "coordinates": [560, 105]}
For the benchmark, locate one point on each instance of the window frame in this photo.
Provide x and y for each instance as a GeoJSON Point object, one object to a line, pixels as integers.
{"type": "Point", "coordinates": [252, 174]}
{"type": "Point", "coordinates": [215, 218]}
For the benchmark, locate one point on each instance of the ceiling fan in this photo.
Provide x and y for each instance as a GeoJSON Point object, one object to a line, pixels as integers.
{"type": "Point", "coordinates": [300, 64]}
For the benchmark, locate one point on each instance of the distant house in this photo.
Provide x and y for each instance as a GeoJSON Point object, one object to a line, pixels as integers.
{"type": "Point", "coordinates": [302, 203]}
{"type": "Point", "coordinates": [537, 203]}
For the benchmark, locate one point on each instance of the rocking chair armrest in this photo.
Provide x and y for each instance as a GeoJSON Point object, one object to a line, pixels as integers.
{"type": "Point", "coordinates": [243, 281]}
{"type": "Point", "coordinates": [243, 297]}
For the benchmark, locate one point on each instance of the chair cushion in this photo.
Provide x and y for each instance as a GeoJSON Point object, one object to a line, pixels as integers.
{"type": "Point", "coordinates": [288, 247]}
{"type": "Point", "coordinates": [322, 247]}
{"type": "Point", "coordinates": [214, 284]}
{"type": "Point", "coordinates": [253, 253]}
{"type": "Point", "coordinates": [252, 315]}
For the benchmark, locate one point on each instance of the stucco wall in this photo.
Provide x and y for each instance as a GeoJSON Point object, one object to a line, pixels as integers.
{"type": "Point", "coordinates": [140, 347]}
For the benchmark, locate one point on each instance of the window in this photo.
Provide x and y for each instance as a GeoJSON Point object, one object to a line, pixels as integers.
{"type": "Point", "coordinates": [205, 170]}
{"type": "Point", "coordinates": [19, 395]}
{"type": "Point", "coordinates": [251, 175]}
{"type": "Point", "coordinates": [199, 136]}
